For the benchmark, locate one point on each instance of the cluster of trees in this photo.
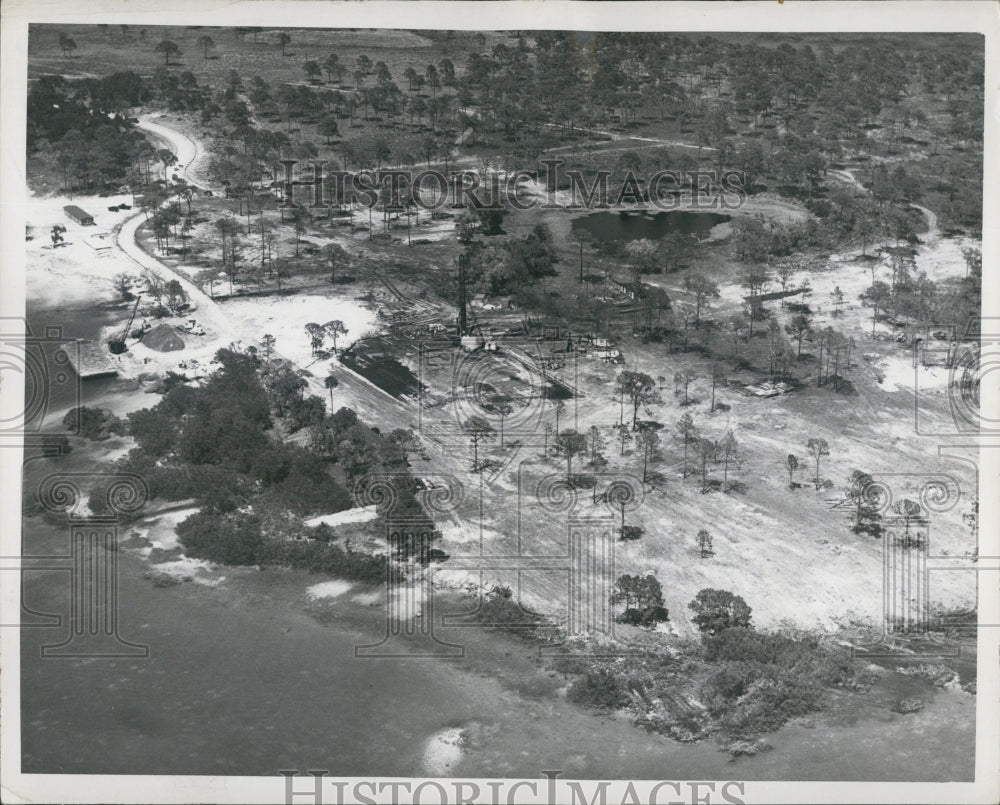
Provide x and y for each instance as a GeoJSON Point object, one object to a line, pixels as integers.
{"type": "Point", "coordinates": [238, 538]}
{"type": "Point", "coordinates": [863, 496]}
{"type": "Point", "coordinates": [866, 516]}
{"type": "Point", "coordinates": [293, 105]}
{"type": "Point", "coordinates": [181, 91]}
{"type": "Point", "coordinates": [603, 688]}
{"type": "Point", "coordinates": [319, 333]}
{"type": "Point", "coordinates": [95, 424]}
{"type": "Point", "coordinates": [168, 223]}
{"type": "Point", "coordinates": [511, 266]}
{"type": "Point", "coordinates": [759, 680]}
{"type": "Point", "coordinates": [251, 256]}
{"type": "Point", "coordinates": [640, 391]}
{"type": "Point", "coordinates": [718, 610]}
{"type": "Point", "coordinates": [666, 255]}
{"type": "Point", "coordinates": [749, 681]}
{"type": "Point", "coordinates": [709, 84]}
{"type": "Point", "coordinates": [216, 443]}
{"type": "Point", "coordinates": [709, 452]}
{"type": "Point", "coordinates": [499, 609]}
{"type": "Point", "coordinates": [80, 131]}
{"type": "Point", "coordinates": [642, 598]}
{"type": "Point", "coordinates": [913, 299]}
{"type": "Point", "coordinates": [810, 101]}
{"type": "Point", "coordinates": [220, 431]}
{"type": "Point", "coordinates": [818, 448]}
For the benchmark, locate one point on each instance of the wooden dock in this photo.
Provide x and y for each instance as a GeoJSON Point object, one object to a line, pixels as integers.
{"type": "Point", "coordinates": [89, 359]}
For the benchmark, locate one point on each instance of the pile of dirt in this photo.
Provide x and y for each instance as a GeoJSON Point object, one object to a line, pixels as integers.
{"type": "Point", "coordinates": [163, 338]}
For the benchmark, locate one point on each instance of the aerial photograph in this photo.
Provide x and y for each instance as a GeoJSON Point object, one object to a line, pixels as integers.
{"type": "Point", "coordinates": [501, 404]}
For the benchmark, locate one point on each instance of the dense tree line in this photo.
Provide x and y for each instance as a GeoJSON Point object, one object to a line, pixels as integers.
{"type": "Point", "coordinates": [780, 112]}
{"type": "Point", "coordinates": [217, 443]}
{"type": "Point", "coordinates": [80, 129]}
{"type": "Point", "coordinates": [748, 682]}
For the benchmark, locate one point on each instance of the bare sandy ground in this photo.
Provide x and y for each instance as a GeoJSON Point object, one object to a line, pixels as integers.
{"type": "Point", "coordinates": [73, 274]}
{"type": "Point", "coordinates": [788, 553]}
{"type": "Point", "coordinates": [285, 318]}
{"type": "Point", "coordinates": [77, 276]}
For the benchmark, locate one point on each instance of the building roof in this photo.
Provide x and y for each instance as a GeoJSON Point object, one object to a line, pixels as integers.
{"type": "Point", "coordinates": [76, 212]}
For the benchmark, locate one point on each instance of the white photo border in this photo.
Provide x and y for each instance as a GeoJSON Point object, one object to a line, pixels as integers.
{"type": "Point", "coordinates": [970, 16]}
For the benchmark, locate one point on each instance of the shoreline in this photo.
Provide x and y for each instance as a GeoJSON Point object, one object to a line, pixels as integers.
{"type": "Point", "coordinates": [334, 598]}
{"type": "Point", "coordinates": [277, 601]}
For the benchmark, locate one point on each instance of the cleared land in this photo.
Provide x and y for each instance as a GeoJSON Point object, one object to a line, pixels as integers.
{"type": "Point", "coordinates": [781, 293]}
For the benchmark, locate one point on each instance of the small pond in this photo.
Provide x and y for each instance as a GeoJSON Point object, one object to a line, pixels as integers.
{"type": "Point", "coordinates": [635, 225]}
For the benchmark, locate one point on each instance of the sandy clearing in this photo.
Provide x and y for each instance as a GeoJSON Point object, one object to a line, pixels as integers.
{"type": "Point", "coordinates": [899, 374]}
{"type": "Point", "coordinates": [161, 527]}
{"type": "Point", "coordinates": [328, 590]}
{"type": "Point", "coordinates": [360, 514]}
{"type": "Point", "coordinates": [285, 318]}
{"type": "Point", "coordinates": [185, 569]}
{"type": "Point", "coordinates": [784, 551]}
{"type": "Point", "coordinates": [72, 275]}
{"type": "Point", "coordinates": [370, 598]}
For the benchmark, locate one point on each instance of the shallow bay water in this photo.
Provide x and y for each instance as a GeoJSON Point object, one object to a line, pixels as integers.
{"type": "Point", "coordinates": [244, 678]}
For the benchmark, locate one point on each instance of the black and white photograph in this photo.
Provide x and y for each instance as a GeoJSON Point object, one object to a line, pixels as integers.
{"type": "Point", "coordinates": [457, 402]}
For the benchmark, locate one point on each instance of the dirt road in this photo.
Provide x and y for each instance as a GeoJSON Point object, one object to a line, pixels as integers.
{"type": "Point", "coordinates": [354, 390]}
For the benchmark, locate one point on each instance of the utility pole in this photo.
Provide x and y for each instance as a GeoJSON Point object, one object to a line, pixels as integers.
{"type": "Point", "coordinates": [462, 323]}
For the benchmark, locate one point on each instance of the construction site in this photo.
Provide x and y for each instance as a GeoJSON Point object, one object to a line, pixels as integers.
{"type": "Point", "coordinates": [366, 419]}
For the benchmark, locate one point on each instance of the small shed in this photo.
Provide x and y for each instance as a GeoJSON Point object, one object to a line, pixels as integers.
{"type": "Point", "coordinates": [82, 217]}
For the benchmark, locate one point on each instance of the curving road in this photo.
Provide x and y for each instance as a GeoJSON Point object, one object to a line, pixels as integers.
{"type": "Point", "coordinates": [848, 177]}
{"type": "Point", "coordinates": [374, 404]}
{"type": "Point", "coordinates": [186, 150]}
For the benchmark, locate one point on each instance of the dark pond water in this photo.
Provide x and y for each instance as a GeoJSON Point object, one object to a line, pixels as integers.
{"type": "Point", "coordinates": [633, 226]}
